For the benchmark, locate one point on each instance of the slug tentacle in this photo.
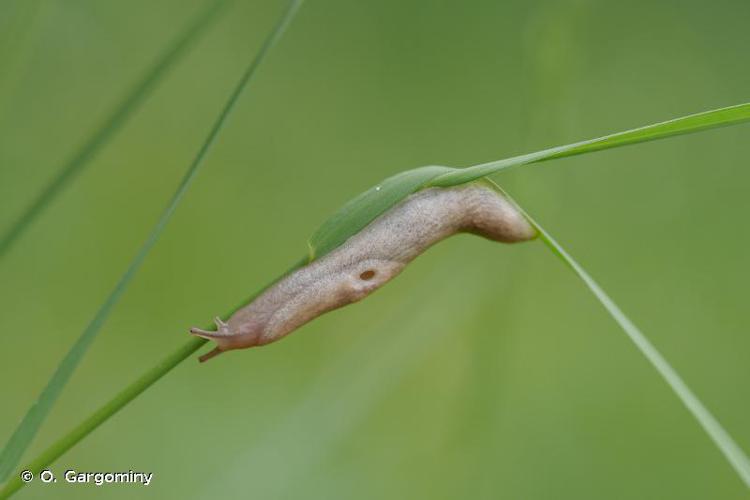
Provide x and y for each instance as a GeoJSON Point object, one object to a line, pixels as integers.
{"type": "Point", "coordinates": [210, 354]}
{"type": "Point", "coordinates": [368, 260]}
{"type": "Point", "coordinates": [222, 330]}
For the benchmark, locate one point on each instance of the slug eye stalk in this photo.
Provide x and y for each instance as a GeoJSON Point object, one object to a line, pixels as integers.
{"type": "Point", "coordinates": [222, 329]}
{"type": "Point", "coordinates": [369, 260]}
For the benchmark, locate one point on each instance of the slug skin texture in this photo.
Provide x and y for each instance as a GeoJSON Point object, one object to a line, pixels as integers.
{"type": "Point", "coordinates": [368, 260]}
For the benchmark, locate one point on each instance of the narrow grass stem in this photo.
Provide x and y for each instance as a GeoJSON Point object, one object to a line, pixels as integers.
{"type": "Point", "coordinates": [698, 122]}
{"type": "Point", "coordinates": [38, 412]}
{"type": "Point", "coordinates": [109, 127]}
{"type": "Point", "coordinates": [119, 401]}
{"type": "Point", "coordinates": [101, 415]}
{"type": "Point", "coordinates": [721, 438]}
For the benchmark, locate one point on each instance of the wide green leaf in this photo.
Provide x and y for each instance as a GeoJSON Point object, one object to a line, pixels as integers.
{"type": "Point", "coordinates": [360, 211]}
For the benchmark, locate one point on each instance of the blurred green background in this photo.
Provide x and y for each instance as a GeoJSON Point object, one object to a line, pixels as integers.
{"type": "Point", "coordinates": [484, 371]}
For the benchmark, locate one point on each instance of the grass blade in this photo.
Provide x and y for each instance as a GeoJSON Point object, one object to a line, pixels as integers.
{"type": "Point", "coordinates": [360, 211]}
{"type": "Point", "coordinates": [29, 426]}
{"type": "Point", "coordinates": [722, 117]}
{"type": "Point", "coordinates": [118, 402]}
{"type": "Point", "coordinates": [721, 438]}
{"type": "Point", "coordinates": [101, 415]}
{"type": "Point", "coordinates": [111, 124]}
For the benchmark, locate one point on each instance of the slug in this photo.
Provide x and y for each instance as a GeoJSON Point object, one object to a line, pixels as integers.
{"type": "Point", "coordinates": [368, 260]}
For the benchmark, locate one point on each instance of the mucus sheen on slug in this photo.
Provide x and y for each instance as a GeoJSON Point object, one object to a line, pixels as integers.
{"type": "Point", "coordinates": [368, 260]}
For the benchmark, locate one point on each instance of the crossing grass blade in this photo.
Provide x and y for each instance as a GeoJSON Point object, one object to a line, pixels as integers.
{"type": "Point", "coordinates": [360, 211]}
{"type": "Point", "coordinates": [38, 412]}
{"type": "Point", "coordinates": [721, 438]}
{"type": "Point", "coordinates": [111, 124]}
{"type": "Point", "coordinates": [723, 117]}
{"type": "Point", "coordinates": [119, 401]}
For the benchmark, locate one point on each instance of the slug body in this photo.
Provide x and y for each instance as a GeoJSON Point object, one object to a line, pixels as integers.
{"type": "Point", "coordinates": [368, 260]}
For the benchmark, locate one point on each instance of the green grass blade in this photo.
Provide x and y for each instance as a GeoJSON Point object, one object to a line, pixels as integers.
{"type": "Point", "coordinates": [721, 438]}
{"type": "Point", "coordinates": [101, 415]}
{"type": "Point", "coordinates": [360, 211]}
{"type": "Point", "coordinates": [119, 401]}
{"type": "Point", "coordinates": [111, 124]}
{"type": "Point", "coordinates": [723, 117]}
{"type": "Point", "coordinates": [29, 426]}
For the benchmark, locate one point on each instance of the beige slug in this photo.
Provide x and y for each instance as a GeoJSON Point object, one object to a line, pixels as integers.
{"type": "Point", "coordinates": [368, 260]}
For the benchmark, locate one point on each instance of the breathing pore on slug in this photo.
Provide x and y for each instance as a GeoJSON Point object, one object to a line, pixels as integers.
{"type": "Point", "coordinates": [368, 260]}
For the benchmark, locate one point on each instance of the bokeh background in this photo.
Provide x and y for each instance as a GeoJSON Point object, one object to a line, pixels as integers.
{"type": "Point", "coordinates": [484, 371]}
